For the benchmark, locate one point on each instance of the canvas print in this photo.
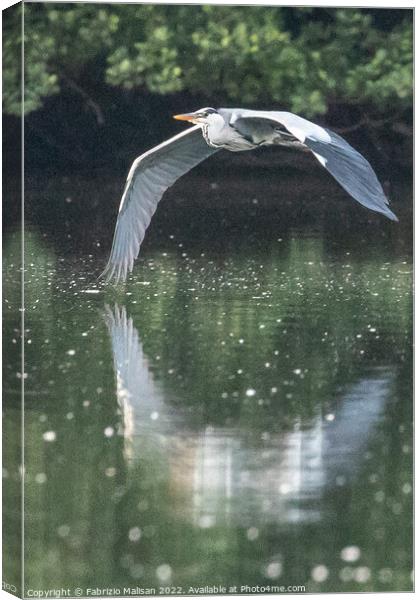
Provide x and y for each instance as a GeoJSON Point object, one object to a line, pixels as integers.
{"type": "Point", "coordinates": [207, 299]}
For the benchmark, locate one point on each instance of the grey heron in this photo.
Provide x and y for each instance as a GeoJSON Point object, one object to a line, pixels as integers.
{"type": "Point", "coordinates": [152, 173]}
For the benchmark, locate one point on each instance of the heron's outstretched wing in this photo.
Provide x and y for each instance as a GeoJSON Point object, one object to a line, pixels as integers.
{"type": "Point", "coordinates": [150, 176]}
{"type": "Point", "coordinates": [139, 395]}
{"type": "Point", "coordinates": [344, 163]}
{"type": "Point", "coordinates": [135, 384]}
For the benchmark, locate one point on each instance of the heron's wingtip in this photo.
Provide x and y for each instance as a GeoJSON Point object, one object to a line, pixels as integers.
{"type": "Point", "coordinates": [391, 215]}
{"type": "Point", "coordinates": [109, 275]}
{"type": "Point", "coordinates": [114, 273]}
{"type": "Point", "coordinates": [106, 274]}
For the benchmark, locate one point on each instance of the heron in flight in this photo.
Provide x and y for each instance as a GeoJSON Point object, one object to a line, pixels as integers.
{"type": "Point", "coordinates": [237, 129]}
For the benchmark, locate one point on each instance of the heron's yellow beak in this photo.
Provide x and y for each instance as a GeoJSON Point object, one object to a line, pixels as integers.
{"type": "Point", "coordinates": [186, 117]}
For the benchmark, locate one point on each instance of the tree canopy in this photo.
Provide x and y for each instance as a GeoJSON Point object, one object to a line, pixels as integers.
{"type": "Point", "coordinates": [307, 60]}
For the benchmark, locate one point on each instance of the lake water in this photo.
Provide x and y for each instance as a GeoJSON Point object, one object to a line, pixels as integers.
{"type": "Point", "coordinates": [238, 414]}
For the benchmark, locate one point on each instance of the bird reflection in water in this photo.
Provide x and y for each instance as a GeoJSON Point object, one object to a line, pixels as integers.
{"type": "Point", "coordinates": [218, 474]}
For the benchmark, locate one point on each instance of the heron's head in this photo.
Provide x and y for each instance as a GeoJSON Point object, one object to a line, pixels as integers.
{"type": "Point", "coordinates": [201, 116]}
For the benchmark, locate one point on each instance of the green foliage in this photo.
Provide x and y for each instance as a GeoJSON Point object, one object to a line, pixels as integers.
{"type": "Point", "coordinates": [303, 59]}
{"type": "Point", "coordinates": [353, 62]}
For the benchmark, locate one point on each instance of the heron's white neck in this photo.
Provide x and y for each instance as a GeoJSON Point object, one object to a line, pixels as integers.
{"type": "Point", "coordinates": [215, 122]}
{"type": "Point", "coordinates": [212, 128]}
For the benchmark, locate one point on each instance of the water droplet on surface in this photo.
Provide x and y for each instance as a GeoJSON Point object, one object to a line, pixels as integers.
{"type": "Point", "coordinates": [361, 574]}
{"type": "Point", "coordinates": [49, 436]}
{"type": "Point", "coordinates": [134, 534]}
{"type": "Point", "coordinates": [273, 570]}
{"type": "Point", "coordinates": [164, 572]}
{"type": "Point", "coordinates": [252, 534]}
{"type": "Point", "coordinates": [350, 553]}
{"type": "Point", "coordinates": [206, 521]}
{"type": "Point", "coordinates": [285, 488]}
{"type": "Point", "coordinates": [63, 530]}
{"type": "Point", "coordinates": [319, 573]}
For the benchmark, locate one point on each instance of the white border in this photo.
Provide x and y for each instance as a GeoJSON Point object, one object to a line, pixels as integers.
{"type": "Point", "coordinates": [319, 3]}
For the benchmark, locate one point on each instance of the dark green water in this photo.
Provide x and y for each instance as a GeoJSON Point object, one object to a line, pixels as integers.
{"type": "Point", "coordinates": [240, 413]}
